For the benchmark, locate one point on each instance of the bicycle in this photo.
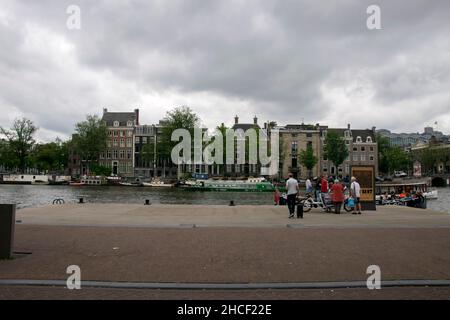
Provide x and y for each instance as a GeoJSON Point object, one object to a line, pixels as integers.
{"type": "Point", "coordinates": [309, 202]}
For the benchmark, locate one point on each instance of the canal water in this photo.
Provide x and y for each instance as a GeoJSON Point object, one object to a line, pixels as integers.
{"type": "Point", "coordinates": [34, 196]}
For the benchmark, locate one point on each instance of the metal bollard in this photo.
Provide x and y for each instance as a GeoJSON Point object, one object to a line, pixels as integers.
{"type": "Point", "coordinates": [232, 204]}
{"type": "Point", "coordinates": [147, 202]}
{"type": "Point", "coordinates": [81, 200]}
{"type": "Point", "coordinates": [7, 225]}
{"type": "Point", "coordinates": [300, 211]}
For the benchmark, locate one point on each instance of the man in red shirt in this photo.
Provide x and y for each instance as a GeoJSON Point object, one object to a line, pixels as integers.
{"type": "Point", "coordinates": [324, 184]}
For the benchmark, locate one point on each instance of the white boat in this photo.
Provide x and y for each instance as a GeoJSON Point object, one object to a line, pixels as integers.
{"type": "Point", "coordinates": [432, 194]}
{"type": "Point", "coordinates": [157, 184]}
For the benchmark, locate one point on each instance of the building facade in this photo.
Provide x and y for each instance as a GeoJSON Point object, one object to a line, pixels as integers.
{"type": "Point", "coordinates": [119, 153]}
{"type": "Point", "coordinates": [362, 147]}
{"type": "Point", "coordinates": [293, 140]}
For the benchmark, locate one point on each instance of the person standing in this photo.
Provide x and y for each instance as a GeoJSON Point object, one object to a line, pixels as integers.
{"type": "Point", "coordinates": [338, 196]}
{"type": "Point", "coordinates": [324, 186]}
{"type": "Point", "coordinates": [309, 186]}
{"type": "Point", "coordinates": [355, 191]}
{"type": "Point", "coordinates": [292, 191]}
{"type": "Point", "coordinates": [276, 197]}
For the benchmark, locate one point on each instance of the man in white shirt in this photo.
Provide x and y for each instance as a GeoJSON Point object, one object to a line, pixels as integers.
{"type": "Point", "coordinates": [355, 192]}
{"type": "Point", "coordinates": [292, 191]}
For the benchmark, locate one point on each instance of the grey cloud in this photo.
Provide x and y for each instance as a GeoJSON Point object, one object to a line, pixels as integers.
{"type": "Point", "coordinates": [275, 55]}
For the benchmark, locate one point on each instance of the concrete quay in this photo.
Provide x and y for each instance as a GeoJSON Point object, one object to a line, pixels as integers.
{"type": "Point", "coordinates": [229, 245]}
{"type": "Point", "coordinates": [175, 216]}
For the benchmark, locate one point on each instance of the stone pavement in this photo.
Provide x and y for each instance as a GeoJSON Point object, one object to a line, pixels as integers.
{"type": "Point", "coordinates": [235, 245]}
{"type": "Point", "coordinates": [223, 216]}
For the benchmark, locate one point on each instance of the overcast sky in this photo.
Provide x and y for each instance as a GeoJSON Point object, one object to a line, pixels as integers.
{"type": "Point", "coordinates": [284, 61]}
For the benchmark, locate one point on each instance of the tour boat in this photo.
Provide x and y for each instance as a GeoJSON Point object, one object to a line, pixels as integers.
{"type": "Point", "coordinates": [406, 187]}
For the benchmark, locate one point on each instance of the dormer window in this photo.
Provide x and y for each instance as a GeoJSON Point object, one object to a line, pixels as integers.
{"type": "Point", "coordinates": [369, 140]}
{"type": "Point", "coordinates": [116, 123]}
{"type": "Point", "coordinates": [358, 139]}
{"type": "Point", "coordinates": [129, 123]}
{"type": "Point", "coordinates": [347, 134]}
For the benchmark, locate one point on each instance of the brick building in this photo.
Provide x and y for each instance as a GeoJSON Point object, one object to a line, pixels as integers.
{"type": "Point", "coordinates": [119, 154]}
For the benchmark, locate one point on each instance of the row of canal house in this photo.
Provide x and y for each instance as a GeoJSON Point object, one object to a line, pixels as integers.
{"type": "Point", "coordinates": [128, 139]}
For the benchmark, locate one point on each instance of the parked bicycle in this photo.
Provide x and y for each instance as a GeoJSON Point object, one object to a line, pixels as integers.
{"type": "Point", "coordinates": [325, 203]}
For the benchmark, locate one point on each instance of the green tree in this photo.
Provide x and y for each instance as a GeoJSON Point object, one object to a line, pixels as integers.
{"type": "Point", "coordinates": [20, 141]}
{"type": "Point", "coordinates": [178, 118]}
{"type": "Point", "coordinates": [335, 149]}
{"type": "Point", "coordinates": [90, 138]}
{"type": "Point", "coordinates": [222, 129]}
{"type": "Point", "coordinates": [397, 159]}
{"type": "Point", "coordinates": [100, 170]}
{"type": "Point", "coordinates": [383, 149]}
{"type": "Point", "coordinates": [51, 156]}
{"type": "Point", "coordinates": [308, 159]}
{"type": "Point", "coordinates": [7, 159]}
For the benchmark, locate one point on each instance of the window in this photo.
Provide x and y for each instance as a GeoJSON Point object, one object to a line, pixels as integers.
{"type": "Point", "coordinates": [129, 123]}
{"type": "Point", "coordinates": [144, 140]}
{"type": "Point", "coordinates": [355, 157]}
{"type": "Point", "coordinates": [116, 123]}
{"type": "Point", "coordinates": [115, 143]}
{"type": "Point", "coordinates": [129, 133]}
{"type": "Point", "coordinates": [369, 139]}
{"type": "Point", "coordinates": [363, 149]}
{"type": "Point", "coordinates": [122, 143]}
{"type": "Point", "coordinates": [129, 143]}
{"type": "Point", "coordinates": [294, 147]}
{"type": "Point", "coordinates": [115, 133]}
{"type": "Point", "coordinates": [355, 149]}
{"type": "Point", "coordinates": [122, 133]}
{"type": "Point", "coordinates": [122, 154]}
{"type": "Point", "coordinates": [115, 154]}
{"type": "Point", "coordinates": [347, 134]}
{"type": "Point", "coordinates": [371, 158]}
{"type": "Point", "coordinates": [371, 149]}
{"type": "Point", "coordinates": [108, 154]}
{"type": "Point", "coordinates": [363, 157]}
{"type": "Point", "coordinates": [108, 143]}
{"type": "Point", "coordinates": [358, 139]}
{"type": "Point", "coordinates": [128, 154]}
{"type": "Point", "coordinates": [309, 135]}
{"type": "Point", "coordinates": [294, 162]}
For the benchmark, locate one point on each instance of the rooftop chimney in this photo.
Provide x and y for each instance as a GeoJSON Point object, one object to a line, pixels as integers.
{"type": "Point", "coordinates": [255, 120]}
{"type": "Point", "coordinates": [136, 112]}
{"type": "Point", "coordinates": [236, 119]}
{"type": "Point", "coordinates": [348, 126]}
{"type": "Point", "coordinates": [105, 110]}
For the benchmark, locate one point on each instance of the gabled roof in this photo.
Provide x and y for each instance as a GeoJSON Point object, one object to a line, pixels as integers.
{"type": "Point", "coordinates": [122, 117]}
{"type": "Point", "coordinates": [355, 133]}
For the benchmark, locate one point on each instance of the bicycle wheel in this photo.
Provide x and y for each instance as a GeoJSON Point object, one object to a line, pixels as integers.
{"type": "Point", "coordinates": [347, 208]}
{"type": "Point", "coordinates": [307, 205]}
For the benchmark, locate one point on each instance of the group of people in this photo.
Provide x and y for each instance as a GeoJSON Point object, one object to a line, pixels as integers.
{"type": "Point", "coordinates": [324, 187]}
